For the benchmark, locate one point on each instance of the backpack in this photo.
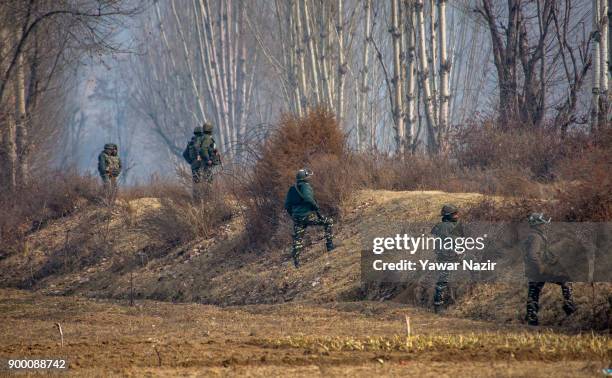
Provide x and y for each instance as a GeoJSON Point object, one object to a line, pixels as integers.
{"type": "Point", "coordinates": [191, 151]}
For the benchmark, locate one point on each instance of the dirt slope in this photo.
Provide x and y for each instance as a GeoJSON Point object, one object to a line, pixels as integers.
{"type": "Point", "coordinates": [108, 253]}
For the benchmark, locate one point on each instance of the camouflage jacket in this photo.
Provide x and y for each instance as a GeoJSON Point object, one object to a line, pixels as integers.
{"type": "Point", "coordinates": [541, 264]}
{"type": "Point", "coordinates": [300, 201]}
{"type": "Point", "coordinates": [444, 230]}
{"type": "Point", "coordinates": [109, 165]}
{"type": "Point", "coordinates": [203, 144]}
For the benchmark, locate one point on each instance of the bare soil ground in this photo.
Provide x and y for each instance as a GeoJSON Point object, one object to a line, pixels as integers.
{"type": "Point", "coordinates": [104, 337]}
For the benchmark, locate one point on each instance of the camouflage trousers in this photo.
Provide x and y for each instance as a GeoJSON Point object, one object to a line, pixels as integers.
{"type": "Point", "coordinates": [533, 299]}
{"type": "Point", "coordinates": [442, 294]}
{"type": "Point", "coordinates": [299, 228]}
{"type": "Point", "coordinates": [202, 179]}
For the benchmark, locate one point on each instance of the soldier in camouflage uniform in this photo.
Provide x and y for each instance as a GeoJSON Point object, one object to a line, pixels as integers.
{"type": "Point", "coordinates": [541, 266]}
{"type": "Point", "coordinates": [304, 210]}
{"type": "Point", "coordinates": [448, 227]}
{"type": "Point", "coordinates": [109, 166]}
{"type": "Point", "coordinates": [202, 155]}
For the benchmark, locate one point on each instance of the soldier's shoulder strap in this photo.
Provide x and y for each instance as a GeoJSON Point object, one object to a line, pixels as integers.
{"type": "Point", "coordinates": [297, 189]}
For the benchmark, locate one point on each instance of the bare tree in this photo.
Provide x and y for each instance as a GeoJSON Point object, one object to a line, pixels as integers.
{"type": "Point", "coordinates": [364, 86]}
{"type": "Point", "coordinates": [445, 67]}
{"type": "Point", "coordinates": [398, 117]}
{"type": "Point", "coordinates": [41, 40]}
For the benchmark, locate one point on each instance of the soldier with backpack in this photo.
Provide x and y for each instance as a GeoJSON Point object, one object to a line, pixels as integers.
{"type": "Point", "coordinates": [541, 266]}
{"type": "Point", "coordinates": [109, 166]}
{"type": "Point", "coordinates": [202, 155]}
{"type": "Point", "coordinates": [304, 210]}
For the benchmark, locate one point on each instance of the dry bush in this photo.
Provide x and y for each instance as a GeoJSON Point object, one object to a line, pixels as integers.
{"type": "Point", "coordinates": [156, 188]}
{"type": "Point", "coordinates": [587, 191]}
{"type": "Point", "coordinates": [181, 220]}
{"type": "Point", "coordinates": [314, 141]}
{"type": "Point", "coordinates": [535, 150]}
{"type": "Point", "coordinates": [48, 197]}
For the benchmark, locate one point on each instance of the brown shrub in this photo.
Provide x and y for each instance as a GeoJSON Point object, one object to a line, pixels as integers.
{"type": "Point", "coordinates": [315, 141]}
{"type": "Point", "coordinates": [535, 151]}
{"type": "Point", "coordinates": [48, 197]}
{"type": "Point", "coordinates": [180, 220]}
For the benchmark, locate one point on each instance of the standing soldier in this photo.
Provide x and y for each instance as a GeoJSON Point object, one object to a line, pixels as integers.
{"type": "Point", "coordinates": [109, 166]}
{"type": "Point", "coordinates": [541, 266]}
{"type": "Point", "coordinates": [304, 210]}
{"type": "Point", "coordinates": [202, 154]}
{"type": "Point", "coordinates": [448, 227]}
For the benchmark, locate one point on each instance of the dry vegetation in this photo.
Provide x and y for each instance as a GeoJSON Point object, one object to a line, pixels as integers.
{"type": "Point", "coordinates": [296, 339]}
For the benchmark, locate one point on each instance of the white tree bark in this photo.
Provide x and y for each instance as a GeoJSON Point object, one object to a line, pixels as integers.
{"type": "Point", "coordinates": [424, 79]}
{"type": "Point", "coordinates": [433, 57]}
{"type": "Point", "coordinates": [410, 114]}
{"type": "Point", "coordinates": [341, 60]}
{"type": "Point", "coordinates": [398, 118]}
{"type": "Point", "coordinates": [596, 67]}
{"type": "Point", "coordinates": [445, 66]}
{"type": "Point", "coordinates": [604, 46]}
{"type": "Point", "coordinates": [300, 52]}
{"type": "Point", "coordinates": [309, 41]}
{"type": "Point", "coordinates": [364, 87]}
{"type": "Point", "coordinates": [21, 127]}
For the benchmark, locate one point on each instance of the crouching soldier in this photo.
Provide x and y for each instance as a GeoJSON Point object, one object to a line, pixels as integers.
{"type": "Point", "coordinates": [304, 210]}
{"type": "Point", "coordinates": [541, 266]}
{"type": "Point", "coordinates": [448, 227]}
{"type": "Point", "coordinates": [109, 166]}
{"type": "Point", "coordinates": [202, 155]}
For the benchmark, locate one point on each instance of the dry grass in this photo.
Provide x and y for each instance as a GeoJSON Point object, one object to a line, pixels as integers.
{"type": "Point", "coordinates": [532, 346]}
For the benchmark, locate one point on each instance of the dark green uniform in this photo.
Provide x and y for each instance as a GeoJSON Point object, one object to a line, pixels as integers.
{"type": "Point", "coordinates": [109, 166]}
{"type": "Point", "coordinates": [542, 266]}
{"type": "Point", "coordinates": [445, 229]}
{"type": "Point", "coordinates": [304, 210]}
{"type": "Point", "coordinates": [201, 154]}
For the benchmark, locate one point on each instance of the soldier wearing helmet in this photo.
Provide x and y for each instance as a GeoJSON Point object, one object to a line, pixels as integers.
{"type": "Point", "coordinates": [449, 227]}
{"type": "Point", "coordinates": [202, 155]}
{"type": "Point", "coordinates": [302, 207]}
{"type": "Point", "coordinates": [541, 266]}
{"type": "Point", "coordinates": [109, 166]}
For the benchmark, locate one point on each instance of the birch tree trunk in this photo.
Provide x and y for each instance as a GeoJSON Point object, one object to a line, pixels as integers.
{"type": "Point", "coordinates": [398, 118]}
{"type": "Point", "coordinates": [433, 57]}
{"type": "Point", "coordinates": [341, 60]}
{"type": "Point", "coordinates": [364, 87]}
{"type": "Point", "coordinates": [603, 99]}
{"type": "Point", "coordinates": [445, 66]}
{"type": "Point", "coordinates": [309, 41]}
{"type": "Point", "coordinates": [299, 46]}
{"type": "Point", "coordinates": [324, 27]}
{"type": "Point", "coordinates": [430, 120]}
{"type": "Point", "coordinates": [596, 67]}
{"type": "Point", "coordinates": [9, 167]}
{"type": "Point", "coordinates": [21, 127]}
{"type": "Point", "coordinates": [409, 111]}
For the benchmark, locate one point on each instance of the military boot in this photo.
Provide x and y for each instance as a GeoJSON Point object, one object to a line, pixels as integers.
{"type": "Point", "coordinates": [568, 302]}
{"type": "Point", "coordinates": [569, 307]}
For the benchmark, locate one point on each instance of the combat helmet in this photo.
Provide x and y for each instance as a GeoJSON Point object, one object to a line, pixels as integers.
{"type": "Point", "coordinates": [110, 146]}
{"type": "Point", "coordinates": [198, 130]}
{"type": "Point", "coordinates": [207, 128]}
{"type": "Point", "coordinates": [536, 219]}
{"type": "Point", "coordinates": [449, 209]}
{"type": "Point", "coordinates": [303, 174]}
